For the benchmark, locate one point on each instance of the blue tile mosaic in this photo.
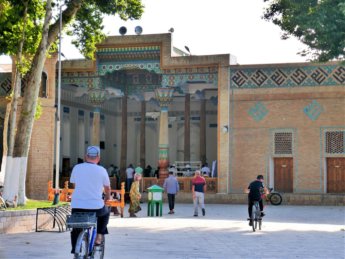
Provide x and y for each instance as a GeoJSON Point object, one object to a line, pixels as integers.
{"type": "Point", "coordinates": [313, 110]}
{"type": "Point", "coordinates": [258, 111]}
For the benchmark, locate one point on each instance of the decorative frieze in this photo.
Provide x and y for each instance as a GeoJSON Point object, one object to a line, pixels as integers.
{"type": "Point", "coordinates": [298, 76]}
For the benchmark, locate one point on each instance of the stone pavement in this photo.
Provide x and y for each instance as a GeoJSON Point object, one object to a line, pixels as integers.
{"type": "Point", "coordinates": [288, 232]}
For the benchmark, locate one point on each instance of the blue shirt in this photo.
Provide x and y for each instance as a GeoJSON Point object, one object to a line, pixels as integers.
{"type": "Point", "coordinates": [171, 185]}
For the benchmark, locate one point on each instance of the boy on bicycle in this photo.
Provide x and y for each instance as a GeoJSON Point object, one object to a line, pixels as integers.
{"type": "Point", "coordinates": [89, 181]}
{"type": "Point", "coordinates": [255, 191]}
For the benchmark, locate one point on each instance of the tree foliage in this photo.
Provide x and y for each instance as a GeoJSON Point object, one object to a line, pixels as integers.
{"type": "Point", "coordinates": [85, 24]}
{"type": "Point", "coordinates": [41, 27]}
{"type": "Point", "coordinates": [12, 22]}
{"type": "Point", "coordinates": [320, 24]}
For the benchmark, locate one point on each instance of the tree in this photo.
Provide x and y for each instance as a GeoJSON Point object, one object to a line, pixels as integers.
{"type": "Point", "coordinates": [320, 24]}
{"type": "Point", "coordinates": [33, 38]}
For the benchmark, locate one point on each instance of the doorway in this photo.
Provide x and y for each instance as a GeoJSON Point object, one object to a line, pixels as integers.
{"type": "Point", "coordinates": [283, 174]}
{"type": "Point", "coordinates": [336, 175]}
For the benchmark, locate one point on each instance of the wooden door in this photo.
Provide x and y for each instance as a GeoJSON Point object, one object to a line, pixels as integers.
{"type": "Point", "coordinates": [336, 175]}
{"type": "Point", "coordinates": [283, 174]}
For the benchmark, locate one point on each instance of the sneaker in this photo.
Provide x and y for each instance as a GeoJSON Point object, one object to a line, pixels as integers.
{"type": "Point", "coordinates": [262, 214]}
{"type": "Point", "coordinates": [250, 223]}
{"type": "Point", "coordinates": [170, 212]}
{"type": "Point", "coordinates": [195, 215]}
{"type": "Point", "coordinates": [203, 212]}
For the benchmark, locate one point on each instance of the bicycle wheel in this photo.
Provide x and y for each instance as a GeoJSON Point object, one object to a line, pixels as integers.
{"type": "Point", "coordinates": [82, 247]}
{"type": "Point", "coordinates": [253, 218]}
{"type": "Point", "coordinates": [276, 199]}
{"type": "Point", "coordinates": [103, 249]}
{"type": "Point", "coordinates": [98, 251]}
{"type": "Point", "coordinates": [256, 220]}
{"type": "Point", "coordinates": [260, 223]}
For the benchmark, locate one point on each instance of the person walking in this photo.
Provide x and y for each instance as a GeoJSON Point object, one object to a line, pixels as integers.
{"type": "Point", "coordinates": [171, 187]}
{"type": "Point", "coordinates": [129, 177]}
{"type": "Point", "coordinates": [134, 194]}
{"type": "Point", "coordinates": [198, 191]}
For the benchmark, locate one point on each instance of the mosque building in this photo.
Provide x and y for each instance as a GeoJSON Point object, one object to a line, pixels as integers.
{"type": "Point", "coordinates": [145, 102]}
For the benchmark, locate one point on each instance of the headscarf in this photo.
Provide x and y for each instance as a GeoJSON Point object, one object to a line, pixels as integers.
{"type": "Point", "coordinates": [138, 172]}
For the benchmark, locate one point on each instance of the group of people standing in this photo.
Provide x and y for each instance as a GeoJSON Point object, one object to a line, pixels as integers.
{"type": "Point", "coordinates": [171, 187]}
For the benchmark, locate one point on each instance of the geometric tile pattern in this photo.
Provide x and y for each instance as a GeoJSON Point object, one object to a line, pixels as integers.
{"type": "Point", "coordinates": [140, 57]}
{"type": "Point", "coordinates": [82, 79]}
{"type": "Point", "coordinates": [258, 111]}
{"type": "Point", "coordinates": [181, 79]}
{"type": "Point", "coordinates": [108, 67]}
{"type": "Point", "coordinates": [181, 76]}
{"type": "Point", "coordinates": [286, 77]}
{"type": "Point", "coordinates": [128, 53]}
{"type": "Point", "coordinates": [313, 110]}
{"type": "Point", "coordinates": [5, 84]}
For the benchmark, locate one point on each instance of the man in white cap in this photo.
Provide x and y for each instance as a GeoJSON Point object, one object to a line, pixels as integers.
{"type": "Point", "coordinates": [90, 180]}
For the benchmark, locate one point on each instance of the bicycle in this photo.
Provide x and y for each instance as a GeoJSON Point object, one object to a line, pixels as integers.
{"type": "Point", "coordinates": [256, 218]}
{"type": "Point", "coordinates": [273, 197]}
{"type": "Point", "coordinates": [85, 246]}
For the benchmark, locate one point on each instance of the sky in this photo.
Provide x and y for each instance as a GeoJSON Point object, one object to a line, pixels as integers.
{"type": "Point", "coordinates": [209, 27]}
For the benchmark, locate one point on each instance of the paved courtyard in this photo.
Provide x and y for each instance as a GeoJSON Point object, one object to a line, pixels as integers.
{"type": "Point", "coordinates": [288, 232]}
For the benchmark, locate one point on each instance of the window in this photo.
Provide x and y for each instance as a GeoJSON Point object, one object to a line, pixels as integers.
{"type": "Point", "coordinates": [283, 143]}
{"type": "Point", "coordinates": [43, 87]}
{"type": "Point", "coordinates": [335, 142]}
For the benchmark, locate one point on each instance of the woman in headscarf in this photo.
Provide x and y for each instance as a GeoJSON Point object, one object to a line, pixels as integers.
{"type": "Point", "coordinates": [134, 193]}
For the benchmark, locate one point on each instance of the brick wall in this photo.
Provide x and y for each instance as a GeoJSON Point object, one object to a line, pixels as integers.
{"type": "Point", "coordinates": [41, 156]}
{"type": "Point", "coordinates": [253, 139]}
{"type": "Point", "coordinates": [22, 221]}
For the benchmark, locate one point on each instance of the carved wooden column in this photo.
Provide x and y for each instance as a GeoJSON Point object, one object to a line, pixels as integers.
{"type": "Point", "coordinates": [203, 130]}
{"type": "Point", "coordinates": [164, 96]}
{"type": "Point", "coordinates": [123, 159]}
{"type": "Point", "coordinates": [142, 134]}
{"type": "Point", "coordinates": [97, 98]}
{"type": "Point", "coordinates": [187, 128]}
{"type": "Point", "coordinates": [96, 121]}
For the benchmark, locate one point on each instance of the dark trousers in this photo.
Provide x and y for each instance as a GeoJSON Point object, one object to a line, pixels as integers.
{"type": "Point", "coordinates": [129, 182]}
{"type": "Point", "coordinates": [171, 199]}
{"type": "Point", "coordinates": [102, 222]}
{"type": "Point", "coordinates": [250, 206]}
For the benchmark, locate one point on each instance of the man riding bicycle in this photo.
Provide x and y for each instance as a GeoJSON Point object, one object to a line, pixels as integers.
{"type": "Point", "coordinates": [256, 189]}
{"type": "Point", "coordinates": [89, 181]}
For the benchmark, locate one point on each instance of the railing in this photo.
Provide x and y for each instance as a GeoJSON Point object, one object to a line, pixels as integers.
{"type": "Point", "coordinates": [66, 194]}
{"type": "Point", "coordinates": [58, 214]}
{"type": "Point", "coordinates": [185, 183]}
